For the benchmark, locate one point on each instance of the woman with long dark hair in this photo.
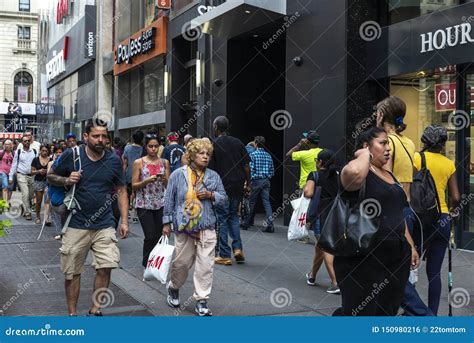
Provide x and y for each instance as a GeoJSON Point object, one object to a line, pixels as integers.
{"type": "Point", "coordinates": [39, 168]}
{"type": "Point", "coordinates": [149, 179]}
{"type": "Point", "coordinates": [373, 284]}
{"type": "Point", "coordinates": [326, 178]}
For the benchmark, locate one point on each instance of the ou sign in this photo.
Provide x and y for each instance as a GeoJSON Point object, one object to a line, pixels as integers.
{"type": "Point", "coordinates": [164, 4]}
{"type": "Point", "coordinates": [445, 97]}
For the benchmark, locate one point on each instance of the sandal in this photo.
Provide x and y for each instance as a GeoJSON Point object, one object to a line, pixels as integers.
{"type": "Point", "coordinates": [97, 313]}
{"type": "Point", "coordinates": [37, 221]}
{"type": "Point", "coordinates": [48, 224]}
{"type": "Point", "coordinates": [28, 217]}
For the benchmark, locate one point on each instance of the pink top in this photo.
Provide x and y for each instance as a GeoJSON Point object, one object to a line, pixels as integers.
{"type": "Point", "coordinates": [6, 163]}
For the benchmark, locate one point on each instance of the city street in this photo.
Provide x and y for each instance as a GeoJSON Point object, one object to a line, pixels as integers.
{"type": "Point", "coordinates": [271, 283]}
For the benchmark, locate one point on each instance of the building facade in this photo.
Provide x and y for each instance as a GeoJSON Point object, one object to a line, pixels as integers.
{"type": "Point", "coordinates": [280, 68]}
{"type": "Point", "coordinates": [18, 55]}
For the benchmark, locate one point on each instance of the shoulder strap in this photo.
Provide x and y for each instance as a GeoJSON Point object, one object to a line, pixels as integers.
{"type": "Point", "coordinates": [403, 145]}
{"type": "Point", "coordinates": [423, 160]}
{"type": "Point", "coordinates": [315, 176]}
{"type": "Point", "coordinates": [34, 150]}
{"type": "Point", "coordinates": [18, 153]}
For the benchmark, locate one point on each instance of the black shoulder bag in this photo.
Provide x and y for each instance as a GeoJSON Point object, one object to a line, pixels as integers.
{"type": "Point", "coordinates": [348, 231]}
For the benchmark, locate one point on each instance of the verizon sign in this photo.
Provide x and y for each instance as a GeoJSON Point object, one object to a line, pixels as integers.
{"type": "Point", "coordinates": [447, 37]}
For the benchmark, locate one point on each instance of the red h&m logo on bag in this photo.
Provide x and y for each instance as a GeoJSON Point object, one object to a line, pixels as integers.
{"type": "Point", "coordinates": [302, 220]}
{"type": "Point", "coordinates": [156, 262]}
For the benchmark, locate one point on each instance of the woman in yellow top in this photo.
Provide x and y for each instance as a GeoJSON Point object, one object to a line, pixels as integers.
{"type": "Point", "coordinates": [443, 171]}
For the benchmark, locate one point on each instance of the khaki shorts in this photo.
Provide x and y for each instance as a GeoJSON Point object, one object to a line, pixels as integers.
{"type": "Point", "coordinates": [76, 245]}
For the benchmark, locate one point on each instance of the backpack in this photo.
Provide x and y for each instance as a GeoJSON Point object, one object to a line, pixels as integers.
{"type": "Point", "coordinates": [424, 196]}
{"type": "Point", "coordinates": [175, 158]}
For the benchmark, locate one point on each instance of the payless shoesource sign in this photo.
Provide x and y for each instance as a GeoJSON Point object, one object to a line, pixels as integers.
{"type": "Point", "coordinates": [143, 46]}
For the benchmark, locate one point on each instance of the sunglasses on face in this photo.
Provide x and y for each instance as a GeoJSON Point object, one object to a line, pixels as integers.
{"type": "Point", "coordinates": [26, 141]}
{"type": "Point", "coordinates": [151, 135]}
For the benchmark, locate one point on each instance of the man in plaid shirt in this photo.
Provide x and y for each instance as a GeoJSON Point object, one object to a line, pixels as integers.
{"type": "Point", "coordinates": [262, 170]}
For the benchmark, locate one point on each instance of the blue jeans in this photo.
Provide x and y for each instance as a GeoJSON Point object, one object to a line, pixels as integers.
{"type": "Point", "coordinates": [228, 220]}
{"type": "Point", "coordinates": [260, 187]}
{"type": "Point", "coordinates": [412, 303]}
{"type": "Point", "coordinates": [4, 181]}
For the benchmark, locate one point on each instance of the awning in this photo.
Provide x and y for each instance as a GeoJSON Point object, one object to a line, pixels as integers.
{"type": "Point", "coordinates": [238, 16]}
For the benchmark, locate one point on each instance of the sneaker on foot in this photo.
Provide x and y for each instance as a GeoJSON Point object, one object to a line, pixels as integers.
{"type": "Point", "coordinates": [223, 260]}
{"type": "Point", "coordinates": [202, 310]}
{"type": "Point", "coordinates": [311, 281]}
{"type": "Point", "coordinates": [173, 296]}
{"type": "Point", "coordinates": [239, 256]}
{"type": "Point", "coordinates": [333, 289]}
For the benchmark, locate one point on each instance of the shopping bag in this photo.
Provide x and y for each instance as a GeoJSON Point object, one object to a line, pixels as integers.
{"type": "Point", "coordinates": [159, 261]}
{"type": "Point", "coordinates": [297, 228]}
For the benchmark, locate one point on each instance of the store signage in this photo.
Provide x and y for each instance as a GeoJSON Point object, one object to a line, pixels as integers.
{"type": "Point", "coordinates": [10, 135]}
{"type": "Point", "coordinates": [164, 4]}
{"type": "Point", "coordinates": [204, 9]}
{"type": "Point", "coordinates": [21, 108]}
{"type": "Point", "coordinates": [445, 97]}
{"type": "Point", "coordinates": [136, 46]}
{"type": "Point", "coordinates": [57, 65]}
{"type": "Point", "coordinates": [141, 47]}
{"type": "Point", "coordinates": [90, 36]}
{"type": "Point", "coordinates": [62, 10]}
{"type": "Point", "coordinates": [450, 36]}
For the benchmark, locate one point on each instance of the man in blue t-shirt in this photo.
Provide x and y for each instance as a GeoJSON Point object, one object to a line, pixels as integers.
{"type": "Point", "coordinates": [173, 151]}
{"type": "Point", "coordinates": [94, 173]}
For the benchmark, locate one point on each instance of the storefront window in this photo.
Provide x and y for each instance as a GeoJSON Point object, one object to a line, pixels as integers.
{"type": "Point", "coordinates": [430, 98]}
{"type": "Point", "coordinates": [400, 10]}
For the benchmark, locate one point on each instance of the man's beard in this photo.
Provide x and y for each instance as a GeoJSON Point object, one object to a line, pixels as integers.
{"type": "Point", "coordinates": [97, 148]}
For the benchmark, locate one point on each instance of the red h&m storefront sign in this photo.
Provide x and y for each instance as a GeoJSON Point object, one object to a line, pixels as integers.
{"type": "Point", "coordinates": [62, 10]}
{"type": "Point", "coordinates": [445, 97]}
{"type": "Point", "coordinates": [164, 4]}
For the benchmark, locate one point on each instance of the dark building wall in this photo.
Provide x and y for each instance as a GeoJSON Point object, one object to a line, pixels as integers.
{"type": "Point", "coordinates": [316, 91]}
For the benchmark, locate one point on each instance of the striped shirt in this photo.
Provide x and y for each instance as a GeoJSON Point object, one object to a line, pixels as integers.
{"type": "Point", "coordinates": [261, 165]}
{"type": "Point", "coordinates": [175, 196]}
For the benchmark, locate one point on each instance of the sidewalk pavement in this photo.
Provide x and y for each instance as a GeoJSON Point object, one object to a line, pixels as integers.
{"type": "Point", "coordinates": [271, 283]}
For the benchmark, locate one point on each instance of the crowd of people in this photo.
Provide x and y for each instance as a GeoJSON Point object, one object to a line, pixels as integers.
{"type": "Point", "coordinates": [90, 190]}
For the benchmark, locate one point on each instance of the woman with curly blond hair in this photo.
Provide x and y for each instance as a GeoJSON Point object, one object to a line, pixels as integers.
{"type": "Point", "coordinates": [193, 191]}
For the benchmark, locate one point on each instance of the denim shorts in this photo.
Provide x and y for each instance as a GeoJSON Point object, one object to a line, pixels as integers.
{"type": "Point", "coordinates": [4, 180]}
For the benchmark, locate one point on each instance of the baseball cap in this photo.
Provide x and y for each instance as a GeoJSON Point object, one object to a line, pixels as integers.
{"type": "Point", "coordinates": [306, 134]}
{"type": "Point", "coordinates": [70, 135]}
{"type": "Point", "coordinates": [173, 136]}
{"type": "Point", "coordinates": [313, 137]}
